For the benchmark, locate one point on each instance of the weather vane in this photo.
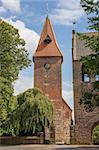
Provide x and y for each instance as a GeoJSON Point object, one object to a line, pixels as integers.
{"type": "Point", "coordinates": [47, 10]}
{"type": "Point", "coordinates": [74, 25]}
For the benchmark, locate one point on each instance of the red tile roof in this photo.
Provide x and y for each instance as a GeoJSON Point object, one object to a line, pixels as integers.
{"type": "Point", "coordinates": [44, 49]}
{"type": "Point", "coordinates": [66, 105]}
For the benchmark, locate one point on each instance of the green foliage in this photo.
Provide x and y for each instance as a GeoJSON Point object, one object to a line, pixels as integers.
{"type": "Point", "coordinates": [7, 101]}
{"type": "Point", "coordinates": [34, 111]}
{"type": "Point", "coordinates": [6, 91]}
{"type": "Point", "coordinates": [91, 62]}
{"type": "Point", "coordinates": [13, 55]}
{"type": "Point", "coordinates": [13, 58]}
{"type": "Point", "coordinates": [90, 97]}
{"type": "Point", "coordinates": [95, 135]}
{"type": "Point", "coordinates": [30, 111]}
{"type": "Point", "coordinates": [92, 10]}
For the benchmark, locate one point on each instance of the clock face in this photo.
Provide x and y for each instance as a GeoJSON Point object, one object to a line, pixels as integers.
{"type": "Point", "coordinates": [47, 66]}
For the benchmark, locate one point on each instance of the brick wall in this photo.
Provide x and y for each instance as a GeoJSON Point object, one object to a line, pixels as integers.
{"type": "Point", "coordinates": [50, 83]}
{"type": "Point", "coordinates": [16, 140]}
{"type": "Point", "coordinates": [84, 121]}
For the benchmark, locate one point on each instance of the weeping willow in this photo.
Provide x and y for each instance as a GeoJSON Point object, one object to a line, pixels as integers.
{"type": "Point", "coordinates": [34, 112]}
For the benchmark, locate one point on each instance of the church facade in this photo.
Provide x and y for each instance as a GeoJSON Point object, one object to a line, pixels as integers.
{"type": "Point", "coordinates": [47, 77]}
{"type": "Point", "coordinates": [85, 121]}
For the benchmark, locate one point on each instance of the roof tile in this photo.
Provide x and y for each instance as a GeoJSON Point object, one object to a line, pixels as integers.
{"type": "Point", "coordinates": [44, 48]}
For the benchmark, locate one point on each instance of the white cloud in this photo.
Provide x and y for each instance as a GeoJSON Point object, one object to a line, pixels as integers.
{"type": "Point", "coordinates": [96, 1]}
{"type": "Point", "coordinates": [68, 96]}
{"type": "Point", "coordinates": [30, 36]}
{"type": "Point", "coordinates": [67, 85]}
{"type": "Point", "coordinates": [22, 84]}
{"type": "Point", "coordinates": [12, 5]}
{"type": "Point", "coordinates": [2, 10]}
{"type": "Point", "coordinates": [67, 93]}
{"type": "Point", "coordinates": [67, 12]}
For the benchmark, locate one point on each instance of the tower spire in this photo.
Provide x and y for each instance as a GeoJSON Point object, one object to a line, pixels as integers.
{"type": "Point", "coordinates": [47, 45]}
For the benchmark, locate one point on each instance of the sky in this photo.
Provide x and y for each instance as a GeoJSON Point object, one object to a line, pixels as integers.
{"type": "Point", "coordinates": [29, 17]}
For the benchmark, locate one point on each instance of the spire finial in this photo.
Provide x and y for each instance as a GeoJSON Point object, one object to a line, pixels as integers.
{"type": "Point", "coordinates": [74, 25]}
{"type": "Point", "coordinates": [47, 10]}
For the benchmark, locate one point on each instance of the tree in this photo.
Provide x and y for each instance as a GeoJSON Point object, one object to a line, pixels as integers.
{"type": "Point", "coordinates": [34, 112]}
{"type": "Point", "coordinates": [95, 135]}
{"type": "Point", "coordinates": [13, 55]}
{"type": "Point", "coordinates": [13, 58]}
{"type": "Point", "coordinates": [90, 99]}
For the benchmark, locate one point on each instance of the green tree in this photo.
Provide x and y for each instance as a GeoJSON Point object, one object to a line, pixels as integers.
{"type": "Point", "coordinates": [90, 99]}
{"type": "Point", "coordinates": [13, 55]}
{"type": "Point", "coordinates": [34, 112]}
{"type": "Point", "coordinates": [13, 58]}
{"type": "Point", "coordinates": [95, 135]}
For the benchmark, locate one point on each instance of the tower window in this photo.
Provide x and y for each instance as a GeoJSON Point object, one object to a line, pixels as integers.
{"type": "Point", "coordinates": [47, 66]}
{"type": "Point", "coordinates": [86, 77]}
{"type": "Point", "coordinates": [47, 39]}
{"type": "Point", "coordinates": [97, 77]}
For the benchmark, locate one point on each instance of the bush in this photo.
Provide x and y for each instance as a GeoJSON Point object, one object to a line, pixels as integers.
{"type": "Point", "coordinates": [96, 135]}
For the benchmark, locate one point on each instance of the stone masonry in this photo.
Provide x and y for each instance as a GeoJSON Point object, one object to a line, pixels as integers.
{"type": "Point", "coordinates": [84, 121]}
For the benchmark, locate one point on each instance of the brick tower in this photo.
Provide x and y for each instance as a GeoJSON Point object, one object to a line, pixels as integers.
{"type": "Point", "coordinates": [84, 121]}
{"type": "Point", "coordinates": [47, 77]}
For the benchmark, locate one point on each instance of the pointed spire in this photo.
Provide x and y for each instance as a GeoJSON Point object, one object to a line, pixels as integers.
{"type": "Point", "coordinates": [47, 17]}
{"type": "Point", "coordinates": [47, 45]}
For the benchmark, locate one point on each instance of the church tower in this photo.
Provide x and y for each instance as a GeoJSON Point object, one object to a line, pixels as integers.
{"type": "Point", "coordinates": [47, 63]}
{"type": "Point", "coordinates": [85, 121]}
{"type": "Point", "coordinates": [47, 77]}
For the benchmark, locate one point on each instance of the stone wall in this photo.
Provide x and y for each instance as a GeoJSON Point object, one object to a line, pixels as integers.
{"type": "Point", "coordinates": [84, 121]}
{"type": "Point", "coordinates": [16, 140]}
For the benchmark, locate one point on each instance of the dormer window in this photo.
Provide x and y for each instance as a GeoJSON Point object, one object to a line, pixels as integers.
{"type": "Point", "coordinates": [47, 39]}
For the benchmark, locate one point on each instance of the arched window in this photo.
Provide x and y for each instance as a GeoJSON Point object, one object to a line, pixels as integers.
{"type": "Point", "coordinates": [97, 77]}
{"type": "Point", "coordinates": [85, 75]}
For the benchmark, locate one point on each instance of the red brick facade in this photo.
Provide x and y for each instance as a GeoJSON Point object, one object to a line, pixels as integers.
{"type": "Point", "coordinates": [84, 121]}
{"type": "Point", "coordinates": [49, 81]}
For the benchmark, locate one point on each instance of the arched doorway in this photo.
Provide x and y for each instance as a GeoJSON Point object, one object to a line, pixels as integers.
{"type": "Point", "coordinates": [95, 134]}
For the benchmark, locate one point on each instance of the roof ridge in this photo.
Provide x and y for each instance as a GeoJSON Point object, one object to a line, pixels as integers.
{"type": "Point", "coordinates": [66, 104]}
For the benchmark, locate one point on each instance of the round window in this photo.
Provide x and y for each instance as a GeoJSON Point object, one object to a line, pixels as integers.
{"type": "Point", "coordinates": [47, 66]}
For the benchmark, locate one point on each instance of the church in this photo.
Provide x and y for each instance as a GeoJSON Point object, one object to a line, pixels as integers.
{"type": "Point", "coordinates": [85, 122]}
{"type": "Point", "coordinates": [48, 77]}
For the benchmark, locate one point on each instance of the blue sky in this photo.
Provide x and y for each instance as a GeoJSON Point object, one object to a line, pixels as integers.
{"type": "Point", "coordinates": [29, 17]}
